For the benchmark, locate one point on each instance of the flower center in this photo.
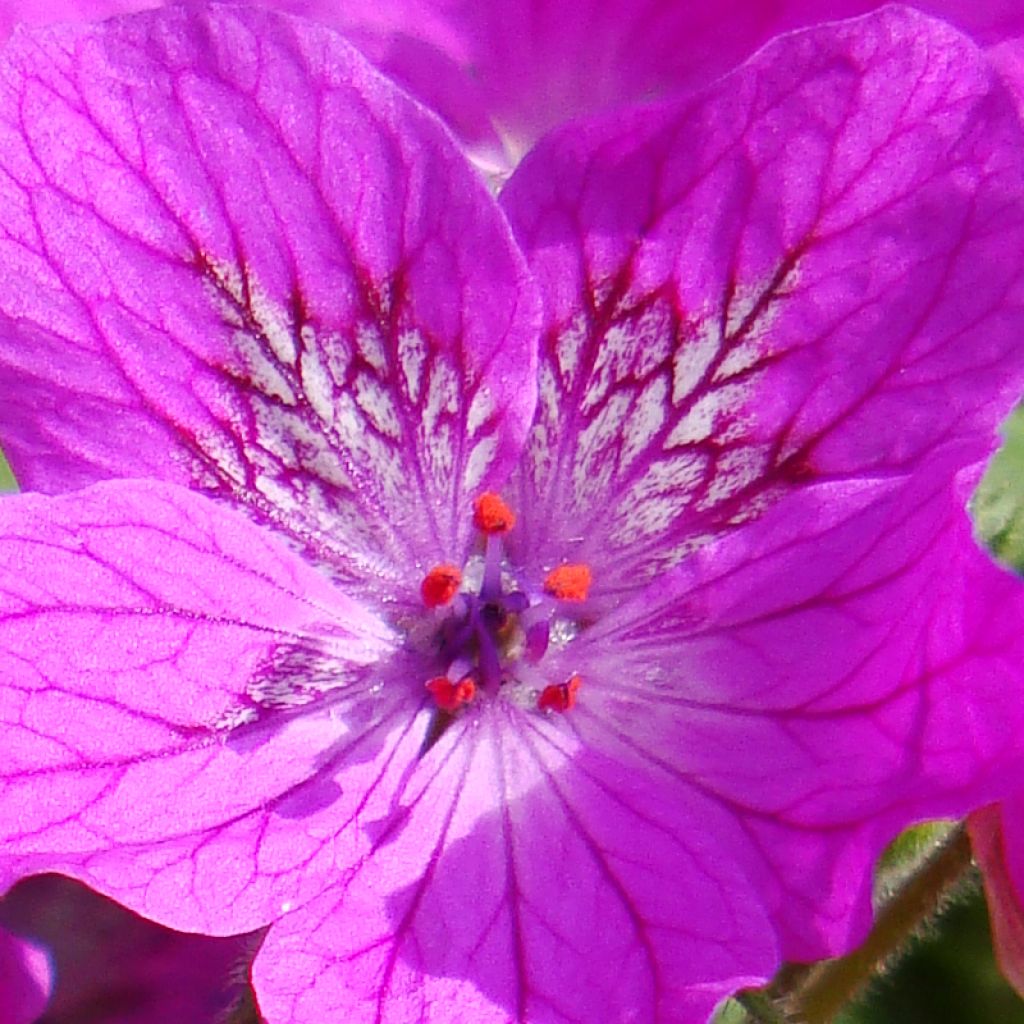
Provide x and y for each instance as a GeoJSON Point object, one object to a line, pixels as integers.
{"type": "Point", "coordinates": [491, 631]}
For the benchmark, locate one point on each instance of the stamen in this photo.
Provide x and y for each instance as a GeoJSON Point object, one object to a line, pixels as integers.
{"type": "Point", "coordinates": [440, 585]}
{"type": "Point", "coordinates": [451, 696]}
{"type": "Point", "coordinates": [492, 515]}
{"type": "Point", "coordinates": [569, 582]}
{"type": "Point", "coordinates": [560, 696]}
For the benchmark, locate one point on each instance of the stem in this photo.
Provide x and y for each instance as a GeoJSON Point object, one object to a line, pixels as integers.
{"type": "Point", "coordinates": [760, 1007]}
{"type": "Point", "coordinates": [817, 992]}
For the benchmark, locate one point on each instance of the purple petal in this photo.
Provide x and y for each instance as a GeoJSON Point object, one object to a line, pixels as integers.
{"type": "Point", "coordinates": [530, 64]}
{"type": "Point", "coordinates": [806, 273]}
{"type": "Point", "coordinates": [524, 880]}
{"type": "Point", "coordinates": [153, 649]}
{"type": "Point", "coordinates": [237, 259]}
{"type": "Point", "coordinates": [24, 980]}
{"type": "Point", "coordinates": [45, 12]}
{"type": "Point", "coordinates": [113, 967]}
{"type": "Point", "coordinates": [996, 840]}
{"type": "Point", "coordinates": [849, 664]}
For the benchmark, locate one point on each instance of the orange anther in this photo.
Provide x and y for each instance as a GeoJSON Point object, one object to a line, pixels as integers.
{"type": "Point", "coordinates": [451, 696]}
{"type": "Point", "coordinates": [492, 515]}
{"type": "Point", "coordinates": [560, 696]}
{"type": "Point", "coordinates": [440, 585]}
{"type": "Point", "coordinates": [569, 582]}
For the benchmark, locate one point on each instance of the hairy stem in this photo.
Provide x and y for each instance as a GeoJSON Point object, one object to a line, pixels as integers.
{"type": "Point", "coordinates": [761, 1008]}
{"type": "Point", "coordinates": [816, 993]}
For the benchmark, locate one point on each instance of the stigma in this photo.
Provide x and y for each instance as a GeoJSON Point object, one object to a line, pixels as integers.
{"type": "Point", "coordinates": [492, 628]}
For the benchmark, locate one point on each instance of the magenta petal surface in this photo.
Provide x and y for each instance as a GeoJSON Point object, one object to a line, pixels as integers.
{"type": "Point", "coordinates": [153, 649]}
{"type": "Point", "coordinates": [24, 980]}
{"type": "Point", "coordinates": [502, 72]}
{"type": "Point", "coordinates": [528, 880]}
{"type": "Point", "coordinates": [113, 967]}
{"type": "Point", "coordinates": [847, 665]}
{"type": "Point", "coordinates": [235, 258]}
{"type": "Point", "coordinates": [45, 12]}
{"type": "Point", "coordinates": [999, 858]}
{"type": "Point", "coordinates": [803, 273]}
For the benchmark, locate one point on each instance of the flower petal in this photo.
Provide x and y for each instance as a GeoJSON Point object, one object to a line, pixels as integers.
{"type": "Point", "coordinates": [521, 881]}
{"type": "Point", "coordinates": [113, 967]}
{"type": "Point", "coordinates": [45, 12]}
{"type": "Point", "coordinates": [516, 68]}
{"type": "Point", "coordinates": [236, 258]}
{"type": "Point", "coordinates": [845, 666]}
{"type": "Point", "coordinates": [153, 649]}
{"type": "Point", "coordinates": [24, 980]}
{"type": "Point", "coordinates": [806, 273]}
{"type": "Point", "coordinates": [997, 844]}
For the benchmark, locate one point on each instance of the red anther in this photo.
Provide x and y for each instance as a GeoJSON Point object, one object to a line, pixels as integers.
{"type": "Point", "coordinates": [440, 585]}
{"type": "Point", "coordinates": [451, 696]}
{"type": "Point", "coordinates": [569, 582]}
{"type": "Point", "coordinates": [560, 696]}
{"type": "Point", "coordinates": [492, 515]}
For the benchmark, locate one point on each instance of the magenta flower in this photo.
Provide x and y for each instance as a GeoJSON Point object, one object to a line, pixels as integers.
{"type": "Point", "coordinates": [996, 842]}
{"type": "Point", "coordinates": [112, 967]}
{"type": "Point", "coordinates": [502, 72]}
{"type": "Point", "coordinates": [24, 980]}
{"type": "Point", "coordinates": [535, 612]}
{"type": "Point", "coordinates": [45, 12]}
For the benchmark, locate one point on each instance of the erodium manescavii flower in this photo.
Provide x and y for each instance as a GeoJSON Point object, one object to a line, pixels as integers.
{"type": "Point", "coordinates": [538, 609]}
{"type": "Point", "coordinates": [502, 72]}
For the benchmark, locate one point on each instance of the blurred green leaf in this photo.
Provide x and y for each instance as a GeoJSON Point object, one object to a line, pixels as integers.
{"type": "Point", "coordinates": [998, 503]}
{"type": "Point", "coordinates": [730, 1012]}
{"type": "Point", "coordinates": [6, 476]}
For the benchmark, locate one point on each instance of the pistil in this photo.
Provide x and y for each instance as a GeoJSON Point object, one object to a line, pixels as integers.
{"type": "Point", "coordinates": [482, 635]}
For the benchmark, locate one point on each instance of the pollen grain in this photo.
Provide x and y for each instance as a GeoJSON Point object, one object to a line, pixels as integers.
{"type": "Point", "coordinates": [451, 696]}
{"type": "Point", "coordinates": [440, 585]}
{"type": "Point", "coordinates": [491, 514]}
{"type": "Point", "coordinates": [570, 582]}
{"type": "Point", "coordinates": [560, 696]}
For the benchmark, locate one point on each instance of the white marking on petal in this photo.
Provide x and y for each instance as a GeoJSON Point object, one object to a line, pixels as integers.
{"type": "Point", "coordinates": [442, 394]}
{"type": "Point", "coordinates": [439, 453]}
{"type": "Point", "coordinates": [264, 374]}
{"type": "Point", "coordinates": [480, 460]}
{"type": "Point", "coordinates": [315, 381]}
{"type": "Point", "coordinates": [227, 279]}
{"type": "Point", "coordinates": [692, 360]}
{"type": "Point", "coordinates": [674, 480]}
{"type": "Point", "coordinates": [646, 419]}
{"type": "Point", "coordinates": [481, 409]}
{"type": "Point", "coordinates": [704, 419]}
{"type": "Point", "coordinates": [371, 346]}
{"type": "Point", "coordinates": [595, 462]}
{"type": "Point", "coordinates": [275, 323]}
{"type": "Point", "coordinates": [375, 400]}
{"type": "Point", "coordinates": [734, 471]}
{"type": "Point", "coordinates": [569, 346]}
{"type": "Point", "coordinates": [223, 456]}
{"type": "Point", "coordinates": [412, 352]}
{"type": "Point", "coordinates": [339, 356]}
